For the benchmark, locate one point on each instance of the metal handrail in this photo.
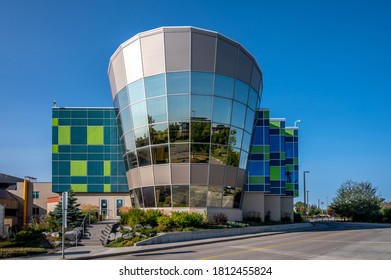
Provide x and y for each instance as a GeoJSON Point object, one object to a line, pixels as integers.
{"type": "Point", "coordinates": [82, 226]}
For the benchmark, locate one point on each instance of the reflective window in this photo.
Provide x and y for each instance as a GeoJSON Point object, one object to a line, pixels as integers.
{"type": "Point", "coordinates": [233, 157]}
{"type": "Point", "coordinates": [243, 160]}
{"type": "Point", "coordinates": [179, 153]}
{"type": "Point", "coordinates": [200, 132]}
{"type": "Point", "coordinates": [238, 114]}
{"type": "Point", "coordinates": [129, 140]}
{"type": "Point", "coordinates": [253, 99]}
{"type": "Point", "coordinates": [246, 141]}
{"type": "Point", "coordinates": [199, 153]}
{"type": "Point", "coordinates": [198, 196]}
{"type": "Point", "coordinates": [228, 196]}
{"type": "Point", "coordinates": [163, 196]}
{"type": "Point", "coordinates": [149, 197]}
{"type": "Point", "coordinates": [142, 137]}
{"type": "Point", "coordinates": [158, 133]}
{"type": "Point", "coordinates": [215, 195]}
{"type": "Point", "coordinates": [131, 160]}
{"type": "Point", "coordinates": [220, 134]}
{"type": "Point", "coordinates": [218, 154]}
{"type": "Point", "coordinates": [136, 91]}
{"type": "Point", "coordinates": [202, 83]}
{"type": "Point", "coordinates": [157, 110]}
{"type": "Point", "coordinates": [249, 120]}
{"type": "Point", "coordinates": [139, 114]}
{"type": "Point", "coordinates": [138, 199]}
{"type": "Point", "coordinates": [178, 82]}
{"type": "Point", "coordinates": [126, 120]}
{"type": "Point", "coordinates": [155, 85]}
{"type": "Point", "coordinates": [144, 156]}
{"type": "Point", "coordinates": [123, 99]}
{"type": "Point", "coordinates": [235, 137]}
{"type": "Point", "coordinates": [178, 108]}
{"type": "Point", "coordinates": [241, 91]}
{"type": "Point", "coordinates": [224, 86]}
{"type": "Point", "coordinates": [238, 197]}
{"type": "Point", "coordinates": [179, 132]}
{"type": "Point", "coordinates": [160, 154]}
{"type": "Point", "coordinates": [180, 196]}
{"type": "Point", "coordinates": [201, 107]}
{"type": "Point", "coordinates": [222, 110]}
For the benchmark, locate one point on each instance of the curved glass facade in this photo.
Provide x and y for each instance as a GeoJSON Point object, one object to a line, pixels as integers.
{"type": "Point", "coordinates": [185, 101]}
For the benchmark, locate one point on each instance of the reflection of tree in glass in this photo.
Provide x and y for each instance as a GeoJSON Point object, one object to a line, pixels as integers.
{"type": "Point", "coordinates": [179, 132]}
{"type": "Point", "coordinates": [233, 154]}
{"type": "Point", "coordinates": [220, 135]}
{"type": "Point", "coordinates": [200, 132]}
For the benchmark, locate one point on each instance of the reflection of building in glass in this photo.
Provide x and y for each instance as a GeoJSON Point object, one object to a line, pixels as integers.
{"type": "Point", "coordinates": [185, 102]}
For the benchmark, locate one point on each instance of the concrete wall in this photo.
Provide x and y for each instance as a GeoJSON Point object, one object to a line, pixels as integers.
{"type": "Point", "coordinates": [273, 204]}
{"type": "Point", "coordinates": [253, 205]}
{"type": "Point", "coordinates": [232, 213]}
{"type": "Point", "coordinates": [287, 207]}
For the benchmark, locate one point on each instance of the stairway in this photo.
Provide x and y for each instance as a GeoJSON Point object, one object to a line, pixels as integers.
{"type": "Point", "coordinates": [96, 234]}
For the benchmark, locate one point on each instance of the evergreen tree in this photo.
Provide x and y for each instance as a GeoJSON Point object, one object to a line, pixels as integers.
{"type": "Point", "coordinates": [74, 216]}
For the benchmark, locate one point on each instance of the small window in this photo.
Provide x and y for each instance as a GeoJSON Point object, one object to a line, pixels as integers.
{"type": "Point", "coordinates": [35, 194]}
{"type": "Point", "coordinates": [35, 211]}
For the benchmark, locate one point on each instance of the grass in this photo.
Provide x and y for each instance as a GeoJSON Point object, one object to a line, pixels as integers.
{"type": "Point", "coordinates": [13, 249]}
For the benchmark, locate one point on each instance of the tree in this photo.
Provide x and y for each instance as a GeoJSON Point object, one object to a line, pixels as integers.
{"type": "Point", "coordinates": [74, 213]}
{"type": "Point", "coordinates": [357, 201]}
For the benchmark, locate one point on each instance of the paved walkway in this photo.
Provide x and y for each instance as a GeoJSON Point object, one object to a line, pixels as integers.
{"type": "Point", "coordinates": [96, 252]}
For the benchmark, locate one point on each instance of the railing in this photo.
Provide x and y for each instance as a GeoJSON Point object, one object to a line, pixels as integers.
{"type": "Point", "coordinates": [82, 226]}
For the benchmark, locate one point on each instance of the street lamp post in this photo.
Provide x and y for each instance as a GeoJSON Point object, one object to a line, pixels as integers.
{"type": "Point", "coordinates": [305, 193]}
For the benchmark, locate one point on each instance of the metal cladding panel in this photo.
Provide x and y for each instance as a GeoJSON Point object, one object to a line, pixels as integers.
{"type": "Point", "coordinates": [152, 50]}
{"type": "Point", "coordinates": [177, 48]}
{"type": "Point", "coordinates": [240, 178]}
{"type": "Point", "coordinates": [162, 174]}
{"type": "Point", "coordinates": [112, 82]}
{"type": "Point", "coordinates": [135, 174]}
{"type": "Point", "coordinates": [256, 78]}
{"type": "Point", "coordinates": [129, 179]}
{"type": "Point", "coordinates": [203, 52]}
{"type": "Point", "coordinates": [244, 67]}
{"type": "Point", "coordinates": [216, 175]}
{"type": "Point", "coordinates": [119, 70]}
{"type": "Point", "coordinates": [133, 62]}
{"type": "Point", "coordinates": [226, 58]}
{"type": "Point", "coordinates": [180, 174]}
{"type": "Point", "coordinates": [199, 174]}
{"type": "Point", "coordinates": [230, 176]}
{"type": "Point", "coordinates": [146, 176]}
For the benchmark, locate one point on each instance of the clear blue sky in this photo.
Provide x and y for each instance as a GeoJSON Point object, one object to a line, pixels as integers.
{"type": "Point", "coordinates": [327, 63]}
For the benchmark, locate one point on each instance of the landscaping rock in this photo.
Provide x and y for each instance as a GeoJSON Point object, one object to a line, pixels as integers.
{"type": "Point", "coordinates": [111, 237]}
{"type": "Point", "coordinates": [128, 228]}
{"type": "Point", "coordinates": [139, 226]}
{"type": "Point", "coordinates": [128, 236]}
{"type": "Point", "coordinates": [118, 235]}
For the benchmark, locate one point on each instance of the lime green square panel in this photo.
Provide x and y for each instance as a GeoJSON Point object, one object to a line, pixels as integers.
{"type": "Point", "coordinates": [79, 187]}
{"type": "Point", "coordinates": [106, 188]}
{"type": "Point", "coordinates": [289, 187]}
{"type": "Point", "coordinates": [289, 167]}
{"type": "Point", "coordinates": [54, 122]}
{"type": "Point", "coordinates": [275, 124]}
{"type": "Point", "coordinates": [257, 180]}
{"type": "Point", "coordinates": [267, 156]}
{"type": "Point", "coordinates": [295, 161]}
{"type": "Point", "coordinates": [78, 168]}
{"type": "Point", "coordinates": [95, 135]}
{"type": "Point", "coordinates": [54, 149]}
{"type": "Point", "coordinates": [266, 114]}
{"type": "Point", "coordinates": [289, 132]}
{"type": "Point", "coordinates": [256, 149]}
{"type": "Point", "coordinates": [64, 135]}
{"type": "Point", "coordinates": [275, 173]}
{"type": "Point", "coordinates": [107, 168]}
{"type": "Point", "coordinates": [296, 193]}
{"type": "Point", "coordinates": [282, 155]}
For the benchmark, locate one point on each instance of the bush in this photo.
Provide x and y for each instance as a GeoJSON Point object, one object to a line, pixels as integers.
{"type": "Point", "coordinates": [28, 236]}
{"type": "Point", "coordinates": [136, 216]}
{"type": "Point", "coordinates": [297, 218]}
{"type": "Point", "coordinates": [220, 218]}
{"type": "Point", "coordinates": [151, 217]}
{"type": "Point", "coordinates": [184, 220]}
{"type": "Point", "coordinates": [165, 223]}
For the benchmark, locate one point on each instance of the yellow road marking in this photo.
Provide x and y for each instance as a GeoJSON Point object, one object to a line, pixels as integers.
{"type": "Point", "coordinates": [274, 246]}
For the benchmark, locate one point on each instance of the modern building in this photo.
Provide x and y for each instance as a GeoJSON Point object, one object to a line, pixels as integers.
{"type": "Point", "coordinates": [185, 132]}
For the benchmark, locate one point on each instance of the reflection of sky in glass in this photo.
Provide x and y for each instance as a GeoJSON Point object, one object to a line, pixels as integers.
{"type": "Point", "coordinates": [241, 91]}
{"type": "Point", "coordinates": [249, 120]}
{"type": "Point", "coordinates": [139, 114]}
{"type": "Point", "coordinates": [157, 109]}
{"type": "Point", "coordinates": [235, 138]}
{"type": "Point", "coordinates": [252, 99]}
{"type": "Point", "coordinates": [238, 114]}
{"type": "Point", "coordinates": [123, 100]}
{"type": "Point", "coordinates": [155, 85]}
{"type": "Point", "coordinates": [178, 82]}
{"type": "Point", "coordinates": [136, 91]}
{"type": "Point", "coordinates": [126, 120]}
{"type": "Point", "coordinates": [224, 86]}
{"type": "Point", "coordinates": [222, 110]}
{"type": "Point", "coordinates": [201, 83]}
{"type": "Point", "coordinates": [178, 108]}
{"type": "Point", "coordinates": [201, 107]}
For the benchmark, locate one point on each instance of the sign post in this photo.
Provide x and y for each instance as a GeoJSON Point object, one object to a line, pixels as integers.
{"type": "Point", "coordinates": [64, 220]}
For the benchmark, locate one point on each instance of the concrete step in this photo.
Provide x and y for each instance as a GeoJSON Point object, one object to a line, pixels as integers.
{"type": "Point", "coordinates": [96, 234]}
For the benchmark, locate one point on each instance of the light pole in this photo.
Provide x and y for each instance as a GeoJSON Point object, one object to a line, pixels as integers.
{"type": "Point", "coordinates": [305, 194]}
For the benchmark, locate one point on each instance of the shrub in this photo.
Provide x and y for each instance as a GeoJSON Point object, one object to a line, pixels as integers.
{"type": "Point", "coordinates": [165, 223]}
{"type": "Point", "coordinates": [28, 236]}
{"type": "Point", "coordinates": [297, 218]}
{"type": "Point", "coordinates": [220, 218]}
{"type": "Point", "coordinates": [151, 217]}
{"type": "Point", "coordinates": [132, 217]}
{"type": "Point", "coordinates": [183, 219]}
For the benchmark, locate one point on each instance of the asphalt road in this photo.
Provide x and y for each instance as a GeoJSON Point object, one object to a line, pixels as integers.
{"type": "Point", "coordinates": [326, 241]}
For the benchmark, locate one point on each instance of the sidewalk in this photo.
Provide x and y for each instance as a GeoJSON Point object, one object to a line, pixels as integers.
{"type": "Point", "coordinates": [96, 252]}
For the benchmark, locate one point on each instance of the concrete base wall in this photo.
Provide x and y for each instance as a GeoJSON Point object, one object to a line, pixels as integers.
{"type": "Point", "coordinates": [287, 207]}
{"type": "Point", "coordinates": [232, 214]}
{"type": "Point", "coordinates": [253, 205]}
{"type": "Point", "coordinates": [273, 206]}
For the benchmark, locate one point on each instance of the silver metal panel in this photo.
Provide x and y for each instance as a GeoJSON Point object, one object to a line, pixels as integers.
{"type": "Point", "coordinates": [162, 174]}
{"type": "Point", "coordinates": [199, 174]}
{"type": "Point", "coordinates": [226, 58]}
{"type": "Point", "coordinates": [216, 175]}
{"type": "Point", "coordinates": [135, 174]}
{"type": "Point", "coordinates": [230, 176]}
{"type": "Point", "coordinates": [119, 71]}
{"type": "Point", "coordinates": [177, 48]}
{"type": "Point", "coordinates": [255, 78]}
{"type": "Point", "coordinates": [146, 176]}
{"type": "Point", "coordinates": [180, 174]}
{"type": "Point", "coordinates": [152, 50]}
{"type": "Point", "coordinates": [244, 67]}
{"type": "Point", "coordinates": [133, 63]}
{"type": "Point", "coordinates": [203, 49]}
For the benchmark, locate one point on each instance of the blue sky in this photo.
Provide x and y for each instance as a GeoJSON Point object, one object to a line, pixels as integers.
{"type": "Point", "coordinates": [327, 63]}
